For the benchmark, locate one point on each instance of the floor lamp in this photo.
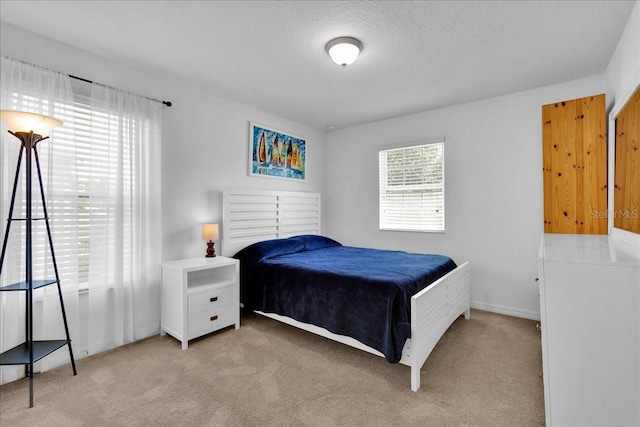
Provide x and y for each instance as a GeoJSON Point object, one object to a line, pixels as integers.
{"type": "Point", "coordinates": [29, 128]}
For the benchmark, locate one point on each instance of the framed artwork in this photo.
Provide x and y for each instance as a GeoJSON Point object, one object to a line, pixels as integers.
{"type": "Point", "coordinates": [274, 153]}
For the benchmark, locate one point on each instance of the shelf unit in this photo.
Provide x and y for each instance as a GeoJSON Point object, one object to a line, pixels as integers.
{"type": "Point", "coordinates": [31, 350]}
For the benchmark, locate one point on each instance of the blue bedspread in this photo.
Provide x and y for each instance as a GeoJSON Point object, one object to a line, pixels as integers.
{"type": "Point", "coordinates": [359, 292]}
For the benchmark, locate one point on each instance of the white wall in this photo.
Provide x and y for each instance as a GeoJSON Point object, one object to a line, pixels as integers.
{"type": "Point", "coordinates": [493, 189]}
{"type": "Point", "coordinates": [204, 142]}
{"type": "Point", "coordinates": [205, 150]}
{"type": "Point", "coordinates": [623, 72]}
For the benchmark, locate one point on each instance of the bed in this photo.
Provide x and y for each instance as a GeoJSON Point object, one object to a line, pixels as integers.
{"type": "Point", "coordinates": [289, 272]}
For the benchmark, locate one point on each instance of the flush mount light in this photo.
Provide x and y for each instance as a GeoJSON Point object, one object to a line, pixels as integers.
{"type": "Point", "coordinates": [344, 50]}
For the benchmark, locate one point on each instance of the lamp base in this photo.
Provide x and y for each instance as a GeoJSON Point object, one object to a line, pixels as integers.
{"type": "Point", "coordinates": [211, 252]}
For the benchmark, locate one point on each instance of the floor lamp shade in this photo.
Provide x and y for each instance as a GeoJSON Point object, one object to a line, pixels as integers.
{"type": "Point", "coordinates": [23, 122]}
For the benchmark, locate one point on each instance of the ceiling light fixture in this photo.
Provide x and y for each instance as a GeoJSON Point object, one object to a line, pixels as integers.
{"type": "Point", "coordinates": [344, 50]}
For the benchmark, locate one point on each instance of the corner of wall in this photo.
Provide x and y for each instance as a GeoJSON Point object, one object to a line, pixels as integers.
{"type": "Point", "coordinates": [623, 69]}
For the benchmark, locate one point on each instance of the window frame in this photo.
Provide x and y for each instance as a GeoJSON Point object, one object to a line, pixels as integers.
{"type": "Point", "coordinates": [408, 145]}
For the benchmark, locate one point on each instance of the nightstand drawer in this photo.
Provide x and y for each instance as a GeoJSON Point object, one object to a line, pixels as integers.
{"type": "Point", "coordinates": [212, 320]}
{"type": "Point", "coordinates": [206, 301]}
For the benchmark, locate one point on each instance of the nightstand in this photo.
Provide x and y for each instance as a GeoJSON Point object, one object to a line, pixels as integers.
{"type": "Point", "coordinates": [199, 296]}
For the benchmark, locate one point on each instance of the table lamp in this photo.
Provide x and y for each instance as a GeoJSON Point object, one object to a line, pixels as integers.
{"type": "Point", "coordinates": [210, 233]}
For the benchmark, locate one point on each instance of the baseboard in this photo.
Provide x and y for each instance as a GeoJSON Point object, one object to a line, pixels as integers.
{"type": "Point", "coordinates": [509, 311]}
{"type": "Point", "coordinates": [149, 331]}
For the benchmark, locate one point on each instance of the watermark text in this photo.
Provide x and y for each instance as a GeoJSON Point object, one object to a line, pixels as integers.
{"type": "Point", "coordinates": [620, 213]}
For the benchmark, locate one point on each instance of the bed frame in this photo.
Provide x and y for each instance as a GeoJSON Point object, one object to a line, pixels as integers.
{"type": "Point", "coordinates": [250, 216]}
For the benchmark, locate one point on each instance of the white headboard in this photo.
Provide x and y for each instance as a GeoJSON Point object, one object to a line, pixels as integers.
{"type": "Point", "coordinates": [250, 216]}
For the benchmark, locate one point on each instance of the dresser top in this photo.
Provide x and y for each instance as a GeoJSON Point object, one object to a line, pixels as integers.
{"type": "Point", "coordinates": [588, 248]}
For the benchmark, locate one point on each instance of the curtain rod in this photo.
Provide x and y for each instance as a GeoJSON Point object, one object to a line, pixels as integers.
{"type": "Point", "coordinates": [167, 103]}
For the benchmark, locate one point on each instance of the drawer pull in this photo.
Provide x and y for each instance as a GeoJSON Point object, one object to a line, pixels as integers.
{"type": "Point", "coordinates": [213, 299]}
{"type": "Point", "coordinates": [213, 318]}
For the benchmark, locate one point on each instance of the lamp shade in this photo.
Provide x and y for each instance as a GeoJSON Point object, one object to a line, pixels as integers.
{"type": "Point", "coordinates": [344, 50]}
{"type": "Point", "coordinates": [20, 121]}
{"type": "Point", "coordinates": [210, 232]}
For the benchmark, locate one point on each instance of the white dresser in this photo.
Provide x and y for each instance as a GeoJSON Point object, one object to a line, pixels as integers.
{"type": "Point", "coordinates": [589, 307]}
{"type": "Point", "coordinates": [199, 296]}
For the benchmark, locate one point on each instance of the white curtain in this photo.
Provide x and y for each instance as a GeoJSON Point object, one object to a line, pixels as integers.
{"type": "Point", "coordinates": [102, 181]}
{"type": "Point", "coordinates": [125, 237]}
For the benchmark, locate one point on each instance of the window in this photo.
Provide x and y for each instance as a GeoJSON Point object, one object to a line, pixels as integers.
{"type": "Point", "coordinates": [412, 187]}
{"type": "Point", "coordinates": [61, 207]}
{"type": "Point", "coordinates": [95, 143]}
{"type": "Point", "coordinates": [79, 205]}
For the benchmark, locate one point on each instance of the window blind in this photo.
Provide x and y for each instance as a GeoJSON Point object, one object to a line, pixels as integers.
{"type": "Point", "coordinates": [77, 181]}
{"type": "Point", "coordinates": [412, 187]}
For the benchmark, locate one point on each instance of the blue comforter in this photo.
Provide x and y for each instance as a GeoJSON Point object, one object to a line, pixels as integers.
{"type": "Point", "coordinates": [359, 292]}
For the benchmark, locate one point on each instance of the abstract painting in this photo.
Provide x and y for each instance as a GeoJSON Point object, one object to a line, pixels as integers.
{"type": "Point", "coordinates": [274, 153]}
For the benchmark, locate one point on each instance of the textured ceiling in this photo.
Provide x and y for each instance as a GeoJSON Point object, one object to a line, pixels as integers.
{"type": "Point", "coordinates": [417, 55]}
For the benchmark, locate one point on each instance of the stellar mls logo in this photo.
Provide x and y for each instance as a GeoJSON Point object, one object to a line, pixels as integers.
{"type": "Point", "coordinates": [621, 213]}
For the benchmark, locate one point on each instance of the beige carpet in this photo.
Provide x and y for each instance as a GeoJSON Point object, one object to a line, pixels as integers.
{"type": "Point", "coordinates": [484, 371]}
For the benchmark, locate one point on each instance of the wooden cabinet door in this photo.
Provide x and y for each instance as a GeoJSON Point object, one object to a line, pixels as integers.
{"type": "Point", "coordinates": [574, 147]}
{"type": "Point", "coordinates": [626, 203]}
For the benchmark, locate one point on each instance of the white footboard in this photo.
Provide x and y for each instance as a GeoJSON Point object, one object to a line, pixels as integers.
{"type": "Point", "coordinates": [433, 310]}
